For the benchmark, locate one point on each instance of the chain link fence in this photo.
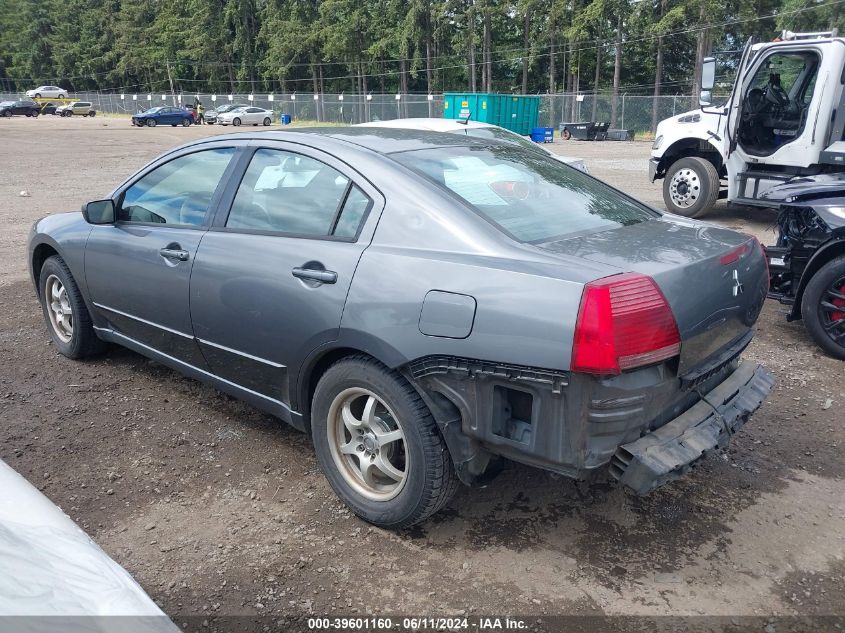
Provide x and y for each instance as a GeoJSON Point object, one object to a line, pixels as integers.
{"type": "Point", "coordinates": [634, 112]}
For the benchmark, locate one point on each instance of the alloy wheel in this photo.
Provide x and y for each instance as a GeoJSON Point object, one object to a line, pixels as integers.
{"type": "Point", "coordinates": [59, 310]}
{"type": "Point", "coordinates": [367, 444]}
{"type": "Point", "coordinates": [832, 311]}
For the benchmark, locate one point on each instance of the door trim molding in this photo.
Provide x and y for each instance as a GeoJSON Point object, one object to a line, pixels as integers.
{"type": "Point", "coordinates": [144, 321]}
{"type": "Point", "coordinates": [244, 354]}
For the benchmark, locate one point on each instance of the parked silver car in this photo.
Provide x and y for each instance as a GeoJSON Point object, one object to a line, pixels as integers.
{"type": "Point", "coordinates": [48, 92]}
{"type": "Point", "coordinates": [249, 115]}
{"type": "Point", "coordinates": [425, 305]}
{"type": "Point", "coordinates": [211, 115]}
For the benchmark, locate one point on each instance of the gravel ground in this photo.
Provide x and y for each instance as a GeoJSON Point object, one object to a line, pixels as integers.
{"type": "Point", "coordinates": [219, 509]}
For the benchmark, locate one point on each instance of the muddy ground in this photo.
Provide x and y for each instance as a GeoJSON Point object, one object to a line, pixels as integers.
{"type": "Point", "coordinates": [216, 508]}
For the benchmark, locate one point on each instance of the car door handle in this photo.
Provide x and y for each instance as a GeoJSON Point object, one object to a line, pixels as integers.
{"type": "Point", "coordinates": [174, 253]}
{"type": "Point", "coordinates": [323, 276]}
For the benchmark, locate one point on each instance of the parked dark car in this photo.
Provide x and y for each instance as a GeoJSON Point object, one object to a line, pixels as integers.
{"type": "Point", "coordinates": [49, 108]}
{"type": "Point", "coordinates": [26, 108]}
{"type": "Point", "coordinates": [807, 263]}
{"type": "Point", "coordinates": [424, 304]}
{"type": "Point", "coordinates": [163, 115]}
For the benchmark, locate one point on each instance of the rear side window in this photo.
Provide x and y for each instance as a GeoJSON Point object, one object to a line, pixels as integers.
{"type": "Point", "coordinates": [527, 194]}
{"type": "Point", "coordinates": [294, 194]}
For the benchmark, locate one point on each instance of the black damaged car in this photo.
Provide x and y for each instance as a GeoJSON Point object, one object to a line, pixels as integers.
{"type": "Point", "coordinates": [807, 264]}
{"type": "Point", "coordinates": [26, 108]}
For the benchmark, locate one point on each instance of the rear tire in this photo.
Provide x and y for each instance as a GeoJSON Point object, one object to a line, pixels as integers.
{"type": "Point", "coordinates": [267, 121]}
{"type": "Point", "coordinates": [691, 187]}
{"type": "Point", "coordinates": [92, 114]}
{"type": "Point", "coordinates": [64, 310]}
{"type": "Point", "coordinates": [825, 292]}
{"type": "Point", "coordinates": [393, 483]}
{"type": "Point", "coordinates": [185, 123]}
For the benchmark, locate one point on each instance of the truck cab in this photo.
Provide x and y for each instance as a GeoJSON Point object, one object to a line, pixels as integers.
{"type": "Point", "coordinates": [784, 118]}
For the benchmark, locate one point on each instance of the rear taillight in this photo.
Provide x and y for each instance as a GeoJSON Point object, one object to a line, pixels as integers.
{"type": "Point", "coordinates": [624, 322]}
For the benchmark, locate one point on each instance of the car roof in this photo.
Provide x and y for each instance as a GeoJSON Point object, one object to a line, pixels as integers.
{"type": "Point", "coordinates": [431, 124]}
{"type": "Point", "coordinates": [382, 141]}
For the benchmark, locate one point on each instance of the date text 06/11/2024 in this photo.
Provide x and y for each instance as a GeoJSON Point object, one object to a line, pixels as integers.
{"type": "Point", "coordinates": [416, 624]}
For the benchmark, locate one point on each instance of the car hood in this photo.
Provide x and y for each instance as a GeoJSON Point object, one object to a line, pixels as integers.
{"type": "Point", "coordinates": [807, 188]}
{"type": "Point", "coordinates": [692, 264]}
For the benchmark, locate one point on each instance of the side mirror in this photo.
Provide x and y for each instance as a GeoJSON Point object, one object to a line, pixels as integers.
{"type": "Point", "coordinates": [708, 73]}
{"type": "Point", "coordinates": [705, 98]}
{"type": "Point", "coordinates": [99, 212]}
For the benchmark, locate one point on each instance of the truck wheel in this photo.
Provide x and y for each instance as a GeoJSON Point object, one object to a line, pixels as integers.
{"type": "Point", "coordinates": [378, 445]}
{"type": "Point", "coordinates": [65, 312]}
{"type": "Point", "coordinates": [691, 187]}
{"type": "Point", "coordinates": [823, 307]}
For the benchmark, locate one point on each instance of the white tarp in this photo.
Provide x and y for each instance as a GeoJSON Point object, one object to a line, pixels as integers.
{"type": "Point", "coordinates": [50, 570]}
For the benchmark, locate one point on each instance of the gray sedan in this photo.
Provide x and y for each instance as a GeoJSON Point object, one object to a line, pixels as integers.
{"type": "Point", "coordinates": [424, 305]}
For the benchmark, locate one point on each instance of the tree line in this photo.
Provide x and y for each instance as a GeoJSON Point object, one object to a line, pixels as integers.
{"type": "Point", "coordinates": [360, 46]}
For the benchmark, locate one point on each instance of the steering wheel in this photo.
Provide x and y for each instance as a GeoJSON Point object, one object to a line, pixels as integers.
{"type": "Point", "coordinates": [777, 95]}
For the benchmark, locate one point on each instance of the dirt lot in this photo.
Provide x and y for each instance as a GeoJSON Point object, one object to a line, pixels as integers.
{"type": "Point", "coordinates": [218, 509]}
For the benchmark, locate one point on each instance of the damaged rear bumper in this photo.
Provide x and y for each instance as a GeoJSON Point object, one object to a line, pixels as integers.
{"type": "Point", "coordinates": [671, 450]}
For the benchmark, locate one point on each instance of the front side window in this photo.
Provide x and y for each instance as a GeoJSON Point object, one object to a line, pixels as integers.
{"type": "Point", "coordinates": [776, 103]}
{"type": "Point", "coordinates": [529, 195]}
{"type": "Point", "coordinates": [178, 192]}
{"type": "Point", "coordinates": [290, 193]}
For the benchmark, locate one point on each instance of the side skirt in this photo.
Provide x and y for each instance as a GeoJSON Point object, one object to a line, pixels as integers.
{"type": "Point", "coordinates": [259, 401]}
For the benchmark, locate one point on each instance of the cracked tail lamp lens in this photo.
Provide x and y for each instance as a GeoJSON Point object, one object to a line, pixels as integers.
{"type": "Point", "coordinates": [623, 322]}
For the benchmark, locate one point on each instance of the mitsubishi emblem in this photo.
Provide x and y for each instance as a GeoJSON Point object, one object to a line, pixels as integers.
{"type": "Point", "coordinates": [737, 289]}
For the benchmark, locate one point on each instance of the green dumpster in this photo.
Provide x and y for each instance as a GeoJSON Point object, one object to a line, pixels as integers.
{"type": "Point", "coordinates": [518, 113]}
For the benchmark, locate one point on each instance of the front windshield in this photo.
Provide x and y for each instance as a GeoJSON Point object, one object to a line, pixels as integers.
{"type": "Point", "coordinates": [529, 195]}
{"type": "Point", "coordinates": [153, 110]}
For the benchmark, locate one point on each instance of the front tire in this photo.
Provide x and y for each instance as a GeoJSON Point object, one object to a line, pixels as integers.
{"type": "Point", "coordinates": [236, 122]}
{"type": "Point", "coordinates": [151, 122]}
{"type": "Point", "coordinates": [38, 95]}
{"type": "Point", "coordinates": [64, 310]}
{"type": "Point", "coordinates": [823, 307]}
{"type": "Point", "coordinates": [691, 187]}
{"type": "Point", "coordinates": [378, 444]}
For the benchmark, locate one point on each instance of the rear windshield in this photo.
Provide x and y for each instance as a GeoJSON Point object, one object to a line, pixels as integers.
{"type": "Point", "coordinates": [527, 194]}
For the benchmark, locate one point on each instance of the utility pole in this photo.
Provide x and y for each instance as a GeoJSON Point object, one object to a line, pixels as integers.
{"type": "Point", "coordinates": [170, 79]}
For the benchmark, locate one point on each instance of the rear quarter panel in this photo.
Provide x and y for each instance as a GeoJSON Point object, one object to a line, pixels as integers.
{"type": "Point", "coordinates": [526, 300]}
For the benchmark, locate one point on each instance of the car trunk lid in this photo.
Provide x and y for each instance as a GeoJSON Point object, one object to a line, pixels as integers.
{"type": "Point", "coordinates": [714, 279]}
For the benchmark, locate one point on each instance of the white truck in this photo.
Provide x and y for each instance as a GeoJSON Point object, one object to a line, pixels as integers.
{"type": "Point", "coordinates": [785, 118]}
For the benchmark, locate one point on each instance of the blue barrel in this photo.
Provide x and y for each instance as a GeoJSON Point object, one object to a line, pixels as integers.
{"type": "Point", "coordinates": [284, 119]}
{"type": "Point", "coordinates": [543, 134]}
